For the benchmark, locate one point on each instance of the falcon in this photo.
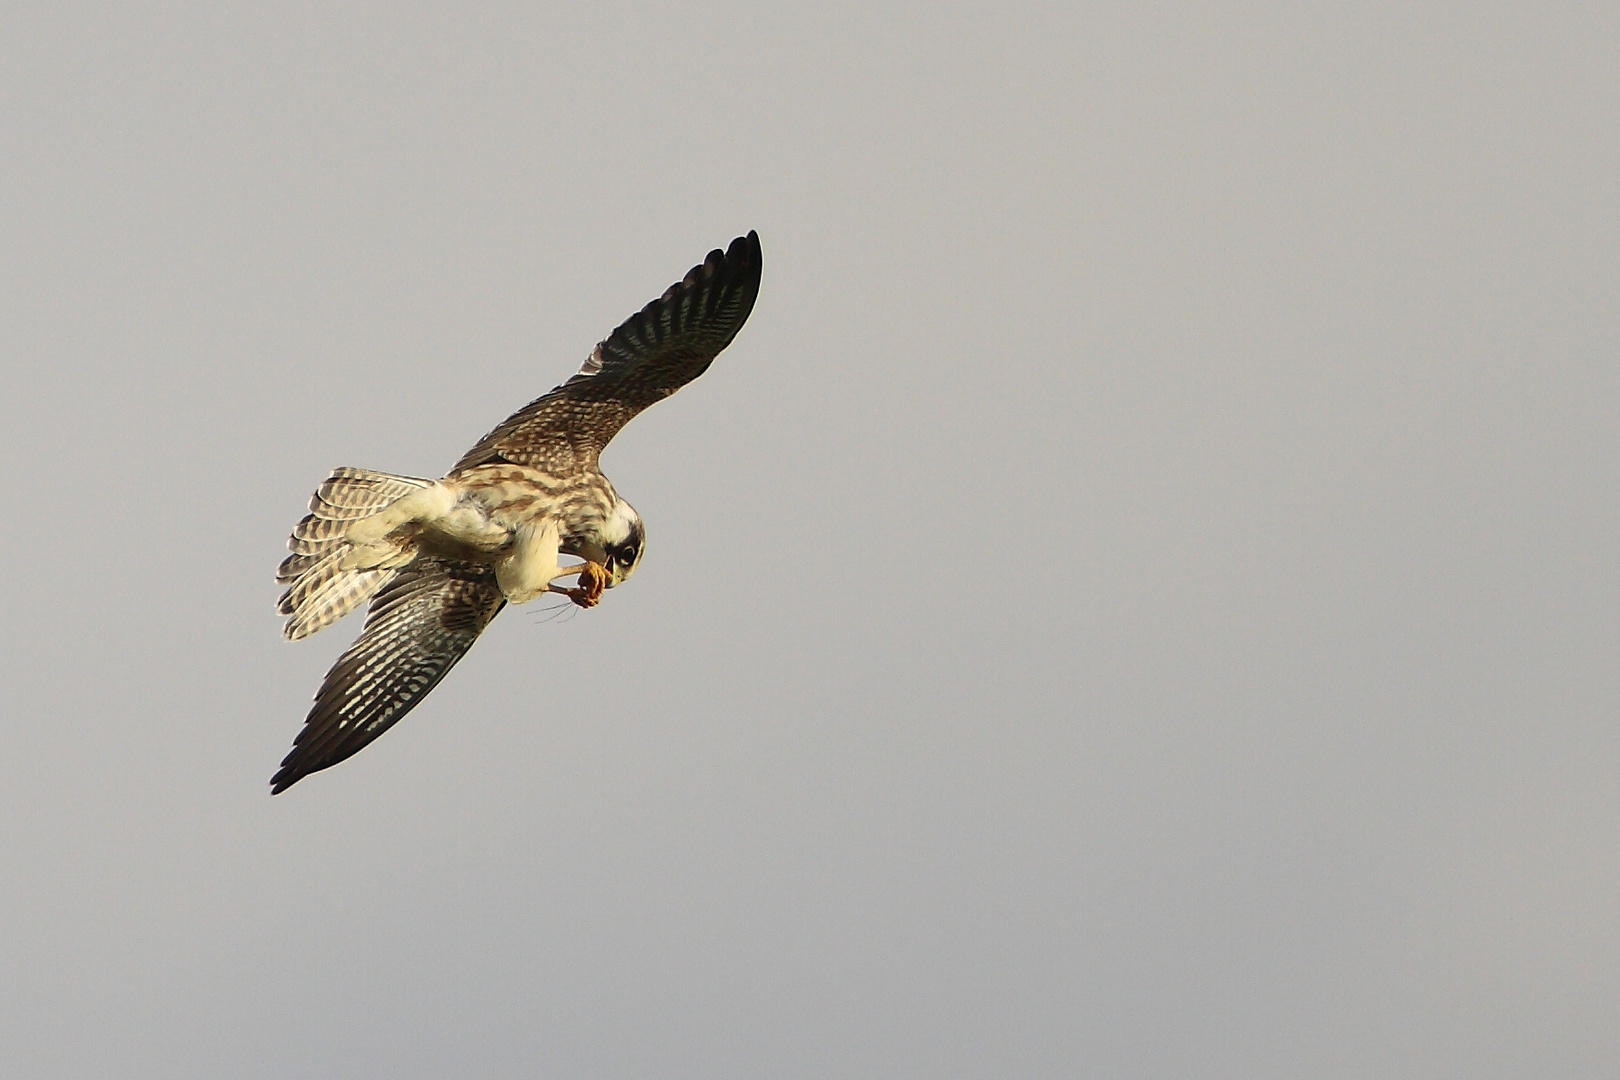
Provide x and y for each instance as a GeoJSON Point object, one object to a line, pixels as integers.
{"type": "Point", "coordinates": [439, 559]}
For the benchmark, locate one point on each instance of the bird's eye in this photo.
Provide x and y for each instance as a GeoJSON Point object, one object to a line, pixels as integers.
{"type": "Point", "coordinates": [627, 556]}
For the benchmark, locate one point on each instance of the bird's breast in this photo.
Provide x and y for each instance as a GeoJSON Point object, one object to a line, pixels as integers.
{"type": "Point", "coordinates": [497, 500]}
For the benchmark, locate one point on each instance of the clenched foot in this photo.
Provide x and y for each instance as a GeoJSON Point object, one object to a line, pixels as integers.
{"type": "Point", "coordinates": [593, 578]}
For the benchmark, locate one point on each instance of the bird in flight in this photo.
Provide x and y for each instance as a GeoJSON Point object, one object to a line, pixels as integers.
{"type": "Point", "coordinates": [438, 559]}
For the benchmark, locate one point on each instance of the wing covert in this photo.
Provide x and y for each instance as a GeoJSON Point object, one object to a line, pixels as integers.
{"type": "Point", "coordinates": [649, 356]}
{"type": "Point", "coordinates": [419, 625]}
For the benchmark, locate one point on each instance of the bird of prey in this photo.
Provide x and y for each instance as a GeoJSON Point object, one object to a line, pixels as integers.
{"type": "Point", "coordinates": [438, 559]}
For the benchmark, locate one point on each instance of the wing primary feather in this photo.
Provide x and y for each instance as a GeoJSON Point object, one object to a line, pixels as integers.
{"type": "Point", "coordinates": [418, 627]}
{"type": "Point", "coordinates": [652, 354]}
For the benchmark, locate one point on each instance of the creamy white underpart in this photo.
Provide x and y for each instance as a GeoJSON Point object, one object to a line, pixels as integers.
{"type": "Point", "coordinates": [526, 571]}
{"type": "Point", "coordinates": [425, 505]}
{"type": "Point", "coordinates": [616, 529]}
{"type": "Point", "coordinates": [525, 568]}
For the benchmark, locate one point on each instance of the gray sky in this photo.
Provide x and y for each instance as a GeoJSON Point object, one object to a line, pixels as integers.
{"type": "Point", "coordinates": [1138, 598]}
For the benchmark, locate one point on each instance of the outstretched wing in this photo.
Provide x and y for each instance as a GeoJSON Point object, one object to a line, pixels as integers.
{"type": "Point", "coordinates": [421, 623]}
{"type": "Point", "coordinates": [651, 355]}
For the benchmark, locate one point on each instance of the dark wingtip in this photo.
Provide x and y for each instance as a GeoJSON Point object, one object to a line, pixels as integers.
{"type": "Point", "coordinates": [741, 254]}
{"type": "Point", "coordinates": [740, 259]}
{"type": "Point", "coordinates": [745, 250]}
{"type": "Point", "coordinates": [293, 769]}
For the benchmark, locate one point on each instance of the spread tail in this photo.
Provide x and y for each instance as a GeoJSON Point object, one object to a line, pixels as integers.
{"type": "Point", "coordinates": [324, 585]}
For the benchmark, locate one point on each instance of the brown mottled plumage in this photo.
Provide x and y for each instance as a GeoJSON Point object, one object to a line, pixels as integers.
{"type": "Point", "coordinates": [438, 559]}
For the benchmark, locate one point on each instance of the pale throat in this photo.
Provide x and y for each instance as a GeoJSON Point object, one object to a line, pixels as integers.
{"type": "Point", "coordinates": [620, 522]}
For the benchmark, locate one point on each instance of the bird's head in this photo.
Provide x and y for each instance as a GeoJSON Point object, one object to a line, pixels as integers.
{"type": "Point", "coordinates": [623, 540]}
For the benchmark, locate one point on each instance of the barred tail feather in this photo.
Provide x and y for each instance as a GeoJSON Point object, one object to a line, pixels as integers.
{"type": "Point", "coordinates": [321, 589]}
{"type": "Point", "coordinates": [334, 599]}
{"type": "Point", "coordinates": [351, 494]}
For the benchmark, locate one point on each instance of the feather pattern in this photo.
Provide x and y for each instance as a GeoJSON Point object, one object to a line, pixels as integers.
{"type": "Point", "coordinates": [331, 598]}
{"type": "Point", "coordinates": [323, 588]}
{"type": "Point", "coordinates": [420, 624]}
{"type": "Point", "coordinates": [651, 355]}
{"type": "Point", "coordinates": [350, 493]}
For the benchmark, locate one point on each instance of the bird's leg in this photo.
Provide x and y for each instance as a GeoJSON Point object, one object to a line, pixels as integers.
{"type": "Point", "coordinates": [593, 578]}
{"type": "Point", "coordinates": [526, 571]}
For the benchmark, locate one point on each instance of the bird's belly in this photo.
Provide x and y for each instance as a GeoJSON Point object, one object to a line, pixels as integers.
{"type": "Point", "coordinates": [485, 518]}
{"type": "Point", "coordinates": [469, 526]}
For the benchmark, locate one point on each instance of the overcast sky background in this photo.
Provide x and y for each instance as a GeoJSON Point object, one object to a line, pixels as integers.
{"type": "Point", "coordinates": [1138, 599]}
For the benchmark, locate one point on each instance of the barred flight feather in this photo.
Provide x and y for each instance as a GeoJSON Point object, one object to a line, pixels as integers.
{"type": "Point", "coordinates": [334, 599]}
{"type": "Point", "coordinates": [424, 621]}
{"type": "Point", "coordinates": [651, 355]}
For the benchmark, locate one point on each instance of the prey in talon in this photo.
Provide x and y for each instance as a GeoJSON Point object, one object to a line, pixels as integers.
{"type": "Point", "coordinates": [593, 578]}
{"type": "Point", "coordinates": [437, 560]}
